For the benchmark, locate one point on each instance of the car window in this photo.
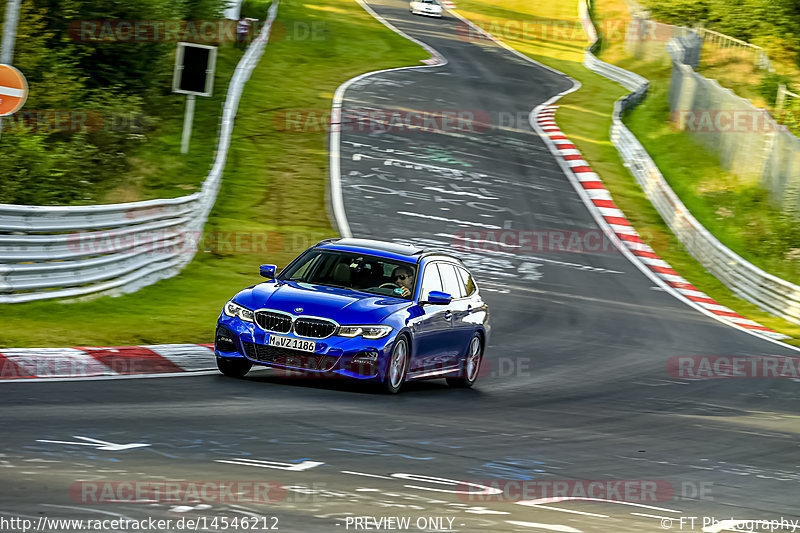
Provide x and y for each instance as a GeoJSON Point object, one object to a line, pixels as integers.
{"type": "Point", "coordinates": [305, 268]}
{"type": "Point", "coordinates": [466, 279]}
{"type": "Point", "coordinates": [451, 281]}
{"type": "Point", "coordinates": [356, 271]}
{"type": "Point", "coordinates": [430, 281]}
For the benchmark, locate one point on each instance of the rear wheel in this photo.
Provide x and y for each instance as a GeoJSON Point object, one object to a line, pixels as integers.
{"type": "Point", "coordinates": [397, 368]}
{"type": "Point", "coordinates": [234, 367]}
{"type": "Point", "coordinates": [472, 364]}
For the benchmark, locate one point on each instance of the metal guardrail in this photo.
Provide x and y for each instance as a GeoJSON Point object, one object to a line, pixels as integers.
{"type": "Point", "coordinates": [740, 48]}
{"type": "Point", "coordinates": [768, 292]}
{"type": "Point", "coordinates": [70, 251]}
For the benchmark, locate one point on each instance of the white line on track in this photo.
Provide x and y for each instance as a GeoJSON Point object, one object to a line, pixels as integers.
{"type": "Point", "coordinates": [571, 511]}
{"type": "Point", "coordinates": [365, 475]}
{"type": "Point", "coordinates": [549, 527]}
{"type": "Point", "coordinates": [337, 200]}
{"type": "Point", "coordinates": [654, 516]}
{"type": "Point", "coordinates": [557, 499]}
{"type": "Point", "coordinates": [453, 220]}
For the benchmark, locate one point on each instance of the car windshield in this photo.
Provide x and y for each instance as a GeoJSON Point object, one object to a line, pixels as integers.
{"type": "Point", "coordinates": [429, 2]}
{"type": "Point", "coordinates": [356, 271]}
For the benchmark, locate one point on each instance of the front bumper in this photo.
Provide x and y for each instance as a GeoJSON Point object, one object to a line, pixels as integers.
{"type": "Point", "coordinates": [427, 13]}
{"type": "Point", "coordinates": [351, 357]}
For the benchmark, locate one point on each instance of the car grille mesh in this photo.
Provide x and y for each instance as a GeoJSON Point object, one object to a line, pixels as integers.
{"type": "Point", "coordinates": [314, 328]}
{"type": "Point", "coordinates": [276, 322]}
{"type": "Point", "coordinates": [287, 357]}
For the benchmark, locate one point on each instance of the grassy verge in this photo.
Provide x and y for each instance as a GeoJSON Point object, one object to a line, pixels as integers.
{"type": "Point", "coordinates": [274, 185]}
{"type": "Point", "coordinates": [158, 168]}
{"type": "Point", "coordinates": [585, 117]}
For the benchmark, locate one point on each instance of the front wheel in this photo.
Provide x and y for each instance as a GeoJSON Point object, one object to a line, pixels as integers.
{"type": "Point", "coordinates": [472, 364]}
{"type": "Point", "coordinates": [234, 367]}
{"type": "Point", "coordinates": [397, 368]}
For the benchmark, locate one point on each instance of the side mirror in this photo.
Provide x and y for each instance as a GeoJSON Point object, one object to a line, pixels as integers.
{"type": "Point", "coordinates": [438, 298]}
{"type": "Point", "coordinates": [268, 271]}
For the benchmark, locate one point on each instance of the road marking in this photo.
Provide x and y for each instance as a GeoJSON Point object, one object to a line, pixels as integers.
{"type": "Point", "coordinates": [482, 510]}
{"type": "Point", "coordinates": [460, 193]}
{"type": "Point", "coordinates": [443, 219]}
{"type": "Point", "coordinates": [571, 511]}
{"type": "Point", "coordinates": [549, 527]}
{"type": "Point", "coordinates": [365, 475]}
{"type": "Point", "coordinates": [337, 199]}
{"type": "Point", "coordinates": [537, 502]}
{"type": "Point", "coordinates": [293, 467]}
{"type": "Point", "coordinates": [99, 444]}
{"type": "Point", "coordinates": [523, 255]}
{"type": "Point", "coordinates": [654, 516]}
{"type": "Point", "coordinates": [115, 514]}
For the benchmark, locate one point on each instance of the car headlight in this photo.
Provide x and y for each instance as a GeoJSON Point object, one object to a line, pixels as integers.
{"type": "Point", "coordinates": [233, 309]}
{"type": "Point", "coordinates": [368, 332]}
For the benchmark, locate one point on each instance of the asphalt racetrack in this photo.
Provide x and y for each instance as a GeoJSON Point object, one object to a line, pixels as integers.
{"type": "Point", "coordinates": [575, 386]}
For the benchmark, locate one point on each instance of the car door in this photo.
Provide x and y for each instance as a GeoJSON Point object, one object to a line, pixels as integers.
{"type": "Point", "coordinates": [433, 327]}
{"type": "Point", "coordinates": [473, 308]}
{"type": "Point", "coordinates": [461, 308]}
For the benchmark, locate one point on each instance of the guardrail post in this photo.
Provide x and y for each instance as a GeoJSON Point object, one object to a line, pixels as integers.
{"type": "Point", "coordinates": [686, 94]}
{"type": "Point", "coordinates": [9, 31]}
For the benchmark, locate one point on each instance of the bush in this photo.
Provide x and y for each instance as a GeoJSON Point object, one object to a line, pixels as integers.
{"type": "Point", "coordinates": [111, 80]}
{"type": "Point", "coordinates": [768, 88]}
{"type": "Point", "coordinates": [679, 12]}
{"type": "Point", "coordinates": [256, 9]}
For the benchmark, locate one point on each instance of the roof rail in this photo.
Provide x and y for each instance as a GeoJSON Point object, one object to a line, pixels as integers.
{"type": "Point", "coordinates": [326, 241]}
{"type": "Point", "coordinates": [427, 253]}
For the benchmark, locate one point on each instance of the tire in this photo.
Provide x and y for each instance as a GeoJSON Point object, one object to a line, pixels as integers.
{"type": "Point", "coordinates": [397, 368]}
{"type": "Point", "coordinates": [234, 367]}
{"type": "Point", "coordinates": [472, 364]}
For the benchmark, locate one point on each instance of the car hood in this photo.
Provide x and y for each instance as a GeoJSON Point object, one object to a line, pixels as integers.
{"type": "Point", "coordinates": [342, 305]}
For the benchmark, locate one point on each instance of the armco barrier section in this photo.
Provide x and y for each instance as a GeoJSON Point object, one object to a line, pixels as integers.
{"type": "Point", "coordinates": [768, 292]}
{"type": "Point", "coordinates": [70, 251]}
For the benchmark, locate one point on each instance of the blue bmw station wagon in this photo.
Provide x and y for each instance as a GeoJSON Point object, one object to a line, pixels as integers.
{"type": "Point", "coordinates": [363, 309]}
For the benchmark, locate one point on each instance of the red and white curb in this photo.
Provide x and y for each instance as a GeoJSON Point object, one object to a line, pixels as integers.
{"type": "Point", "coordinates": [603, 204]}
{"type": "Point", "coordinates": [42, 364]}
{"type": "Point", "coordinates": [448, 4]}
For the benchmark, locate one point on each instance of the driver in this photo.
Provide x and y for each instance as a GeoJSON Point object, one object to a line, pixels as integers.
{"type": "Point", "coordinates": [404, 278]}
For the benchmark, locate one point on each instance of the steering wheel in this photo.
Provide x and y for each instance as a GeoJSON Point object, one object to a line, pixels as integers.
{"type": "Point", "coordinates": [388, 286]}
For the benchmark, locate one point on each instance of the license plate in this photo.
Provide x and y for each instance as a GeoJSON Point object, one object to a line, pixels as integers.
{"type": "Point", "coordinates": [293, 344]}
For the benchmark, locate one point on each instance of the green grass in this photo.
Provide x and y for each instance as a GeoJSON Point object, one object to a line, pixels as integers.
{"type": "Point", "coordinates": [585, 117]}
{"type": "Point", "coordinates": [274, 185]}
{"type": "Point", "coordinates": [736, 210]}
{"type": "Point", "coordinates": [158, 168]}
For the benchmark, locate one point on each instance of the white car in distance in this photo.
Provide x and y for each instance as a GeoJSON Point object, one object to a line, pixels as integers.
{"type": "Point", "coordinates": [430, 8]}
